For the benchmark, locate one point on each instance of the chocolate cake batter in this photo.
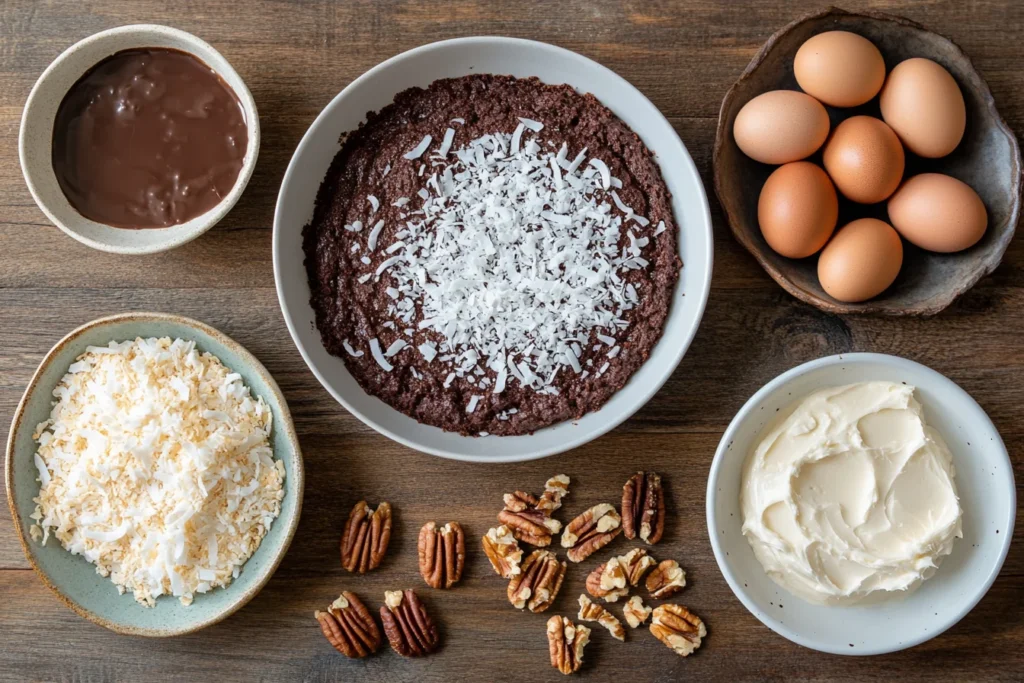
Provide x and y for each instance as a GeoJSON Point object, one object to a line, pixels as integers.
{"type": "Point", "coordinates": [371, 162]}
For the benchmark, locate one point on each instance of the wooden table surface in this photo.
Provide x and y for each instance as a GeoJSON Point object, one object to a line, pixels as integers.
{"type": "Point", "coordinates": [295, 57]}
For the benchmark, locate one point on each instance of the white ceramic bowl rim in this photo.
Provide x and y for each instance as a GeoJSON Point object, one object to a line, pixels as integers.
{"type": "Point", "coordinates": [724, 565]}
{"type": "Point", "coordinates": [36, 133]}
{"type": "Point", "coordinates": [668, 360]}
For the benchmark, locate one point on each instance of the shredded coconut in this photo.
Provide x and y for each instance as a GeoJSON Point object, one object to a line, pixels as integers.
{"type": "Point", "coordinates": [155, 465]}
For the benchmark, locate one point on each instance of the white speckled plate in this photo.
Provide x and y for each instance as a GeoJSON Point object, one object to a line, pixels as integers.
{"type": "Point", "coordinates": [984, 479]}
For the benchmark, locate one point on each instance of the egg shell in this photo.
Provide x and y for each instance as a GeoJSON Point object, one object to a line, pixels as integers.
{"type": "Point", "coordinates": [865, 159]}
{"type": "Point", "coordinates": [861, 261]}
{"type": "Point", "coordinates": [781, 126]}
{"type": "Point", "coordinates": [938, 213]}
{"type": "Point", "coordinates": [798, 209]}
{"type": "Point", "coordinates": [839, 68]}
{"type": "Point", "coordinates": [923, 104]}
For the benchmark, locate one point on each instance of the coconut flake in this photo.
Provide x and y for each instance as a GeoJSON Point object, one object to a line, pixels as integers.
{"type": "Point", "coordinates": [378, 356]}
{"type": "Point", "coordinates": [473, 401]}
{"type": "Point", "coordinates": [535, 126]}
{"type": "Point", "coordinates": [374, 203]}
{"type": "Point", "coordinates": [428, 351]}
{"type": "Point", "coordinates": [446, 143]}
{"type": "Point", "coordinates": [371, 241]}
{"type": "Point", "coordinates": [395, 347]}
{"type": "Point", "coordinates": [606, 174]}
{"type": "Point", "coordinates": [350, 350]}
{"type": "Point", "coordinates": [417, 151]}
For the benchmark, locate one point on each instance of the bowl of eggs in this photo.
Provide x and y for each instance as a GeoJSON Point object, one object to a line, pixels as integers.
{"type": "Point", "coordinates": [861, 159]}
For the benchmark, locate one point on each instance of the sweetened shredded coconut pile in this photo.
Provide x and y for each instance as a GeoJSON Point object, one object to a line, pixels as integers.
{"type": "Point", "coordinates": [155, 465]}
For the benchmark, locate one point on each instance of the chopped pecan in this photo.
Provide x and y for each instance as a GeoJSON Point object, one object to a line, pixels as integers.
{"type": "Point", "coordinates": [555, 488]}
{"type": "Point", "coordinates": [643, 507]}
{"type": "Point", "coordinates": [538, 583]}
{"type": "Point", "coordinates": [608, 581]}
{"type": "Point", "coordinates": [410, 630]}
{"type": "Point", "coordinates": [503, 551]}
{"type": "Point", "coordinates": [348, 626]}
{"type": "Point", "coordinates": [635, 564]}
{"type": "Point", "coordinates": [529, 517]}
{"type": "Point", "coordinates": [666, 580]}
{"type": "Point", "coordinates": [442, 554]}
{"type": "Point", "coordinates": [520, 500]}
{"type": "Point", "coordinates": [635, 611]}
{"type": "Point", "coordinates": [365, 538]}
{"type": "Point", "coordinates": [677, 627]}
{"type": "Point", "coordinates": [566, 643]}
{"type": "Point", "coordinates": [591, 531]}
{"type": "Point", "coordinates": [591, 611]}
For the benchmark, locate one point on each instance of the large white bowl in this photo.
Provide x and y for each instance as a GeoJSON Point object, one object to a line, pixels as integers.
{"type": "Point", "coordinates": [984, 480]}
{"type": "Point", "coordinates": [452, 58]}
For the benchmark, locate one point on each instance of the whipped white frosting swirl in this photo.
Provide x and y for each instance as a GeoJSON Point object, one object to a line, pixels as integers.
{"type": "Point", "coordinates": [851, 493]}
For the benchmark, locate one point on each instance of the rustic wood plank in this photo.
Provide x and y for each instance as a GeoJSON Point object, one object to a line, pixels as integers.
{"type": "Point", "coordinates": [295, 56]}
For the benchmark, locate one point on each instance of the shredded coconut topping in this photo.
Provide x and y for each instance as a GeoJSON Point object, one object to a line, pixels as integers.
{"type": "Point", "coordinates": [155, 465]}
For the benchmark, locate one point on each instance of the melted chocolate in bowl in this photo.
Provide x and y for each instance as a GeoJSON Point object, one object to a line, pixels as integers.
{"type": "Point", "coordinates": [148, 138]}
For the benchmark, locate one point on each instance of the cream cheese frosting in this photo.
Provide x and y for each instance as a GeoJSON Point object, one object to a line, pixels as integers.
{"type": "Point", "coordinates": [851, 493]}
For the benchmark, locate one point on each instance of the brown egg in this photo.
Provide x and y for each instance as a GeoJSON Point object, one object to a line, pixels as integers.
{"type": "Point", "coordinates": [938, 213]}
{"type": "Point", "coordinates": [839, 68]}
{"type": "Point", "coordinates": [865, 159]}
{"type": "Point", "coordinates": [797, 209]}
{"type": "Point", "coordinates": [780, 126]}
{"type": "Point", "coordinates": [923, 104]}
{"type": "Point", "coordinates": [861, 261]}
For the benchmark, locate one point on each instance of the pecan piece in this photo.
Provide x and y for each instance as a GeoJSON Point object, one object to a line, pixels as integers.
{"type": "Point", "coordinates": [666, 579]}
{"type": "Point", "coordinates": [555, 488]}
{"type": "Point", "coordinates": [635, 611]}
{"type": "Point", "coordinates": [565, 644]}
{"type": "Point", "coordinates": [591, 611]}
{"type": "Point", "coordinates": [635, 564]}
{"type": "Point", "coordinates": [529, 517]}
{"type": "Point", "coordinates": [538, 583]}
{"type": "Point", "coordinates": [410, 630]}
{"type": "Point", "coordinates": [503, 551]}
{"type": "Point", "coordinates": [348, 626]}
{"type": "Point", "coordinates": [608, 581]}
{"type": "Point", "coordinates": [442, 554]}
{"type": "Point", "coordinates": [643, 507]}
{"type": "Point", "coordinates": [365, 538]}
{"type": "Point", "coordinates": [677, 627]}
{"type": "Point", "coordinates": [591, 531]}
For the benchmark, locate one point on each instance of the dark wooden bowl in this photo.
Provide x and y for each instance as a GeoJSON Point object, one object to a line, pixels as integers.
{"type": "Point", "coordinates": [988, 159]}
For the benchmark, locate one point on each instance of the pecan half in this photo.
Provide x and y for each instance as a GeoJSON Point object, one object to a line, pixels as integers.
{"type": "Point", "coordinates": [555, 488]}
{"type": "Point", "coordinates": [410, 630]}
{"type": "Point", "coordinates": [503, 551]}
{"type": "Point", "coordinates": [666, 579]}
{"type": "Point", "coordinates": [565, 644]}
{"type": "Point", "coordinates": [635, 611]}
{"type": "Point", "coordinates": [348, 626]}
{"type": "Point", "coordinates": [591, 531]}
{"type": "Point", "coordinates": [677, 627]}
{"type": "Point", "coordinates": [635, 564]}
{"type": "Point", "coordinates": [442, 554]}
{"type": "Point", "coordinates": [529, 517]}
{"type": "Point", "coordinates": [643, 507]}
{"type": "Point", "coordinates": [608, 581]}
{"type": "Point", "coordinates": [538, 583]}
{"type": "Point", "coordinates": [365, 538]}
{"type": "Point", "coordinates": [591, 611]}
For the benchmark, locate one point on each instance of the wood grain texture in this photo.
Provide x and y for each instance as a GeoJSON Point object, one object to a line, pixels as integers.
{"type": "Point", "coordinates": [295, 56]}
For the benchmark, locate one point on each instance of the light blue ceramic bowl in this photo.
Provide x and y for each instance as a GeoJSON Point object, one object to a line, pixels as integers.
{"type": "Point", "coordinates": [74, 580]}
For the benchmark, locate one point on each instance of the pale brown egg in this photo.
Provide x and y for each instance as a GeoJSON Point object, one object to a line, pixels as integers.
{"type": "Point", "coordinates": [797, 209]}
{"type": "Point", "coordinates": [861, 261]}
{"type": "Point", "coordinates": [923, 104]}
{"type": "Point", "coordinates": [865, 159]}
{"type": "Point", "coordinates": [938, 213]}
{"type": "Point", "coordinates": [839, 68]}
{"type": "Point", "coordinates": [780, 126]}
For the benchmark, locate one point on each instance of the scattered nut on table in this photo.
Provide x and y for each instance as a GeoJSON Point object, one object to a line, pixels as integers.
{"type": "Point", "coordinates": [665, 580]}
{"type": "Point", "coordinates": [529, 517]}
{"type": "Point", "coordinates": [591, 531]}
{"type": "Point", "coordinates": [591, 611]}
{"type": "Point", "coordinates": [608, 581]}
{"type": "Point", "coordinates": [537, 585]}
{"type": "Point", "coordinates": [635, 611]}
{"type": "Point", "coordinates": [677, 627]}
{"type": "Point", "coordinates": [635, 564]}
{"type": "Point", "coordinates": [442, 554]}
{"type": "Point", "coordinates": [566, 643]}
{"type": "Point", "coordinates": [643, 507]}
{"type": "Point", "coordinates": [503, 550]}
{"type": "Point", "coordinates": [365, 538]}
{"type": "Point", "coordinates": [410, 630]}
{"type": "Point", "coordinates": [349, 627]}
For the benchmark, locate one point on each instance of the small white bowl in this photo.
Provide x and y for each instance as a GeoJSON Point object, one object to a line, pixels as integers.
{"type": "Point", "coordinates": [984, 480]}
{"type": "Point", "coordinates": [35, 140]}
{"type": "Point", "coordinates": [522, 58]}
